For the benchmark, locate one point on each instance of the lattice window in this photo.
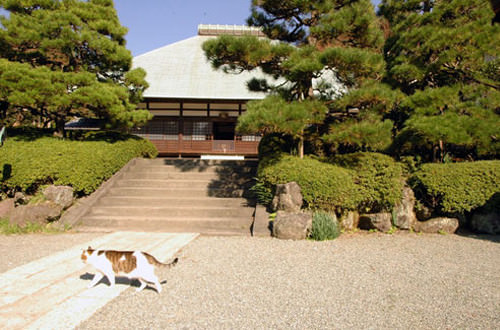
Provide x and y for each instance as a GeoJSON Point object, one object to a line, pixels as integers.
{"type": "Point", "coordinates": [250, 138]}
{"type": "Point", "coordinates": [171, 130]}
{"type": "Point", "coordinates": [158, 130]}
{"type": "Point", "coordinates": [155, 130]}
{"type": "Point", "coordinates": [197, 130]}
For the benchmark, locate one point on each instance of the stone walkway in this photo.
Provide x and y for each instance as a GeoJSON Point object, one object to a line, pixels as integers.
{"type": "Point", "coordinates": [51, 293]}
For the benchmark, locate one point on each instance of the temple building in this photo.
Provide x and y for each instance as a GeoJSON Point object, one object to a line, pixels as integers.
{"type": "Point", "coordinates": [195, 106]}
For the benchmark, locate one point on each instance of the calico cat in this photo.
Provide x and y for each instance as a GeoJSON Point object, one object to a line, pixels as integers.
{"type": "Point", "coordinates": [131, 264]}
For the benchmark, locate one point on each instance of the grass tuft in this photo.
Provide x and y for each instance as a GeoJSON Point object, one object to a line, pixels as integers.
{"type": "Point", "coordinates": [324, 227]}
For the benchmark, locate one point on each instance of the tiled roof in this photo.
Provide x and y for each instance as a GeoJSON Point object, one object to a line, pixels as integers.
{"type": "Point", "coordinates": [181, 70]}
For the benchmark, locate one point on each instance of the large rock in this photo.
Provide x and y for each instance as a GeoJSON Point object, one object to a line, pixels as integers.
{"type": "Point", "coordinates": [292, 225]}
{"type": "Point", "coordinates": [20, 198]}
{"type": "Point", "coordinates": [6, 207]}
{"type": "Point", "coordinates": [486, 222]}
{"type": "Point", "coordinates": [288, 197]}
{"type": "Point", "coordinates": [61, 195]}
{"type": "Point", "coordinates": [405, 215]}
{"type": "Point", "coordinates": [437, 225]}
{"type": "Point", "coordinates": [379, 221]}
{"type": "Point", "coordinates": [39, 213]}
{"type": "Point", "coordinates": [349, 221]}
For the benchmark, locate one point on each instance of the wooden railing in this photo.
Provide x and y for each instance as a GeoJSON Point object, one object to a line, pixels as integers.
{"type": "Point", "coordinates": [193, 147]}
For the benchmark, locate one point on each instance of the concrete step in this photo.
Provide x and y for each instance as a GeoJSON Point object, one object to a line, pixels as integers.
{"type": "Point", "coordinates": [177, 196]}
{"type": "Point", "coordinates": [172, 211]}
{"type": "Point", "coordinates": [213, 172]}
{"type": "Point", "coordinates": [175, 183]}
{"type": "Point", "coordinates": [196, 164]}
{"type": "Point", "coordinates": [175, 201]}
{"type": "Point", "coordinates": [217, 226]}
{"type": "Point", "coordinates": [175, 192]}
{"type": "Point", "coordinates": [161, 175]}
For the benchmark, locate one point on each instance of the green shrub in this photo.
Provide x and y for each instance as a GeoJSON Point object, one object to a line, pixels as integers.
{"type": "Point", "coordinates": [456, 187]}
{"type": "Point", "coordinates": [324, 186]}
{"type": "Point", "coordinates": [27, 162]}
{"type": "Point", "coordinates": [274, 144]}
{"type": "Point", "coordinates": [378, 176]}
{"type": "Point", "coordinates": [324, 227]}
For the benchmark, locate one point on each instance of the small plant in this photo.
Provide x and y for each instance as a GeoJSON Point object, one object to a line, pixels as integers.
{"type": "Point", "coordinates": [272, 216]}
{"type": "Point", "coordinates": [7, 228]}
{"type": "Point", "coordinates": [392, 230]}
{"type": "Point", "coordinates": [324, 227]}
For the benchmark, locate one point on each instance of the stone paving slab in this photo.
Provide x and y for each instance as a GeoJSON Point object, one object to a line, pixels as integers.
{"type": "Point", "coordinates": [51, 292]}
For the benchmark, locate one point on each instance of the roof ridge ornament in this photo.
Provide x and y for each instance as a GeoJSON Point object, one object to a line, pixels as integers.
{"type": "Point", "coordinates": [235, 30]}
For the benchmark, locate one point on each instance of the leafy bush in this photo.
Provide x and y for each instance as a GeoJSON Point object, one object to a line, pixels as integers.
{"type": "Point", "coordinates": [274, 144]}
{"type": "Point", "coordinates": [324, 227]}
{"type": "Point", "coordinates": [360, 181]}
{"type": "Point", "coordinates": [26, 162]}
{"type": "Point", "coordinates": [324, 186]}
{"type": "Point", "coordinates": [378, 176]}
{"type": "Point", "coordinates": [456, 187]}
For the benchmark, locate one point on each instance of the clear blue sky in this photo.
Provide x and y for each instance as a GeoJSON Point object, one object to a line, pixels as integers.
{"type": "Point", "coordinates": [156, 23]}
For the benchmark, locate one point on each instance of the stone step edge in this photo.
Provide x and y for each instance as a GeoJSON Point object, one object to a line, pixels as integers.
{"type": "Point", "coordinates": [184, 219]}
{"type": "Point", "coordinates": [198, 208]}
{"type": "Point", "coordinates": [171, 198]}
{"type": "Point", "coordinates": [204, 232]}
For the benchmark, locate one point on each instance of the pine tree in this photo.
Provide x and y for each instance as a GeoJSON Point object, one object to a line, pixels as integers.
{"type": "Point", "coordinates": [445, 55]}
{"type": "Point", "coordinates": [320, 43]}
{"type": "Point", "coordinates": [67, 58]}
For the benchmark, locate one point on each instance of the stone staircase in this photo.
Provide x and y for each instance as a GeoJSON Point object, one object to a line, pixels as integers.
{"type": "Point", "coordinates": [176, 195]}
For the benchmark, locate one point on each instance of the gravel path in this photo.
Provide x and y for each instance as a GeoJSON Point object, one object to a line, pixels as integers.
{"type": "Point", "coordinates": [403, 281]}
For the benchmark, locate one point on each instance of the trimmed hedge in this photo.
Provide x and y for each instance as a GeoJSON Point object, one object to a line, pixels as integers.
{"type": "Point", "coordinates": [27, 161]}
{"type": "Point", "coordinates": [324, 186]}
{"type": "Point", "coordinates": [379, 176]}
{"type": "Point", "coordinates": [368, 182]}
{"type": "Point", "coordinates": [456, 187]}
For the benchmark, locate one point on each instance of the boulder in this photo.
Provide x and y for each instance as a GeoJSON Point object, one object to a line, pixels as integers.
{"type": "Point", "coordinates": [349, 221]}
{"type": "Point", "coordinates": [292, 225]}
{"type": "Point", "coordinates": [39, 213]}
{"type": "Point", "coordinates": [405, 215]}
{"type": "Point", "coordinates": [61, 195]}
{"type": "Point", "coordinates": [379, 221]}
{"type": "Point", "coordinates": [485, 222]}
{"type": "Point", "coordinates": [437, 225]}
{"type": "Point", "coordinates": [6, 207]}
{"type": "Point", "coordinates": [288, 197]}
{"type": "Point", "coordinates": [20, 198]}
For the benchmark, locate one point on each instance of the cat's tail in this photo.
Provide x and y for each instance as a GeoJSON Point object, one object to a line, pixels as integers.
{"type": "Point", "coordinates": [152, 260]}
{"type": "Point", "coordinates": [168, 264]}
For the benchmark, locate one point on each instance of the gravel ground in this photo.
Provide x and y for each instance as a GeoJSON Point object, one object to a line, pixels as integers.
{"type": "Point", "coordinates": [377, 281]}
{"type": "Point", "coordinates": [16, 250]}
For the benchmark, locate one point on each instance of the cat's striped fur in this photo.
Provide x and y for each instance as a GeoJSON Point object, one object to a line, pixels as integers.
{"type": "Point", "coordinates": [131, 264]}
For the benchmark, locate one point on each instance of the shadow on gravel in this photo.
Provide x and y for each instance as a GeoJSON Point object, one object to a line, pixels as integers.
{"type": "Point", "coordinates": [119, 280]}
{"type": "Point", "coordinates": [484, 237]}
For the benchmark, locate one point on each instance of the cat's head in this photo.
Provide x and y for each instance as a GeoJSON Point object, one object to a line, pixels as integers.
{"type": "Point", "coordinates": [86, 253]}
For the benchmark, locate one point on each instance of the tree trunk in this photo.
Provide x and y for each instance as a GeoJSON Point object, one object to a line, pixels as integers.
{"type": "Point", "coordinates": [59, 132]}
{"type": "Point", "coordinates": [301, 146]}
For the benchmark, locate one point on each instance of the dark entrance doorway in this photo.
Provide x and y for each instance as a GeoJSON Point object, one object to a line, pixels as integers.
{"type": "Point", "coordinates": [224, 130]}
